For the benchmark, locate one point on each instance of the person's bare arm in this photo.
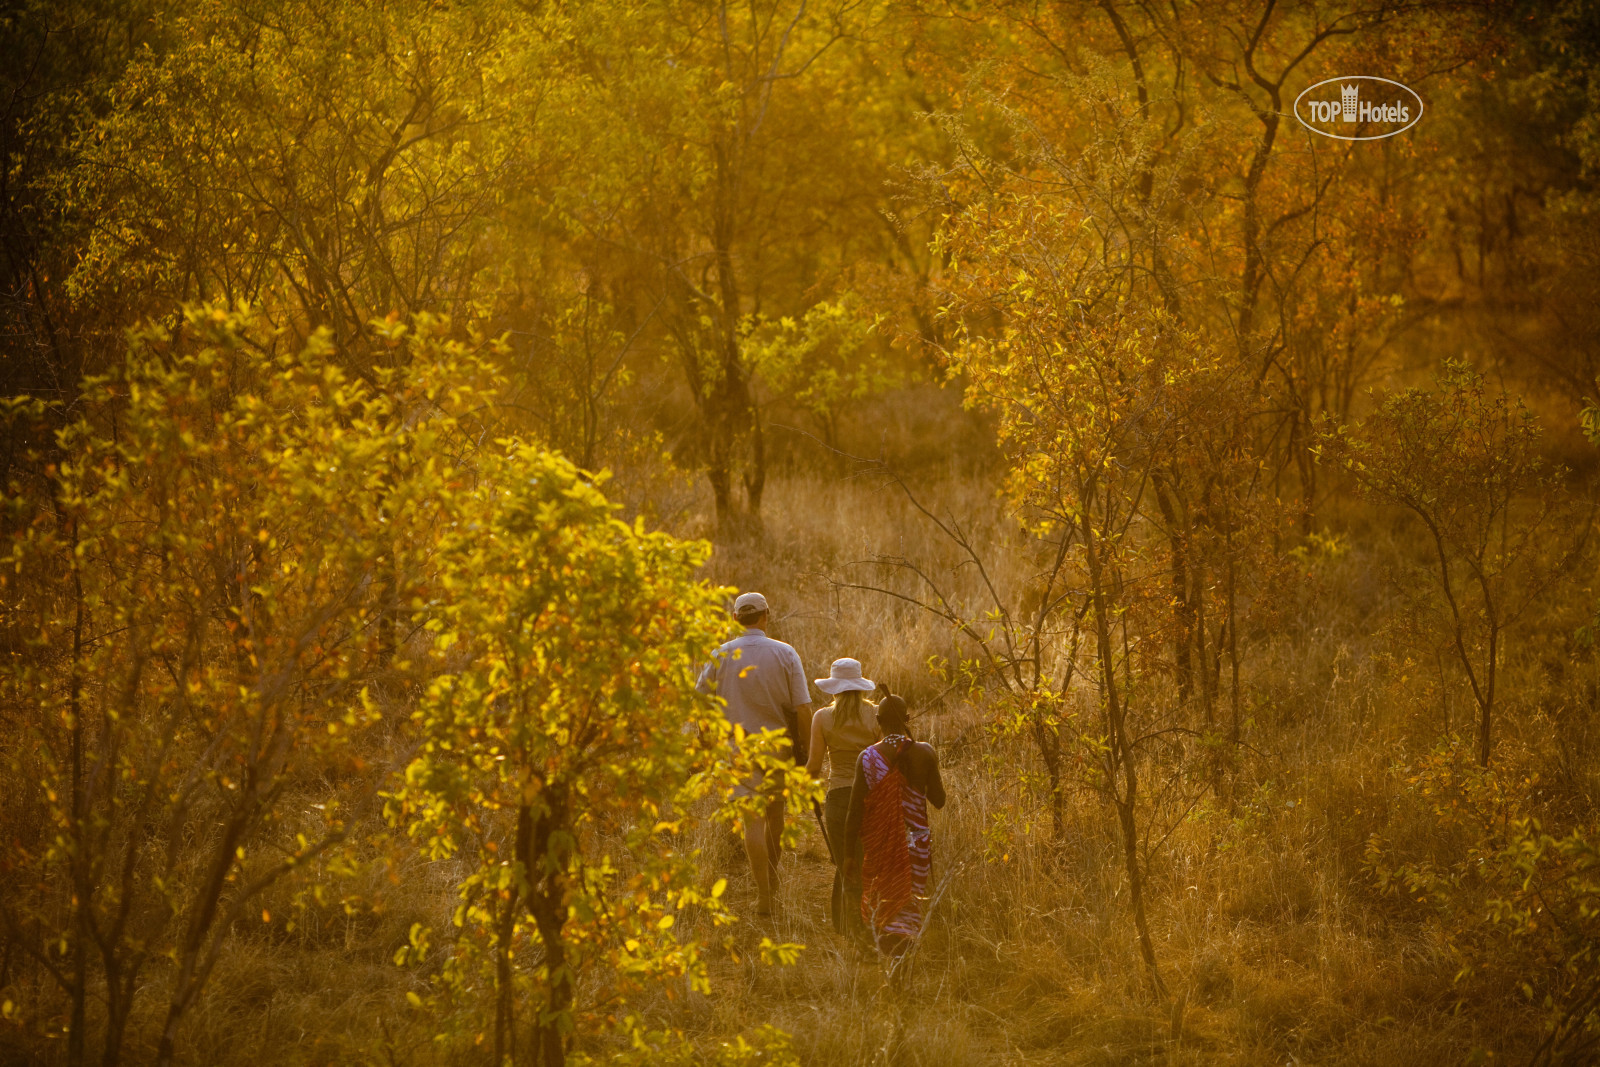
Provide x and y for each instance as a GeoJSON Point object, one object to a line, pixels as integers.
{"type": "Point", "coordinates": [853, 817]}
{"type": "Point", "coordinates": [935, 790]}
{"type": "Point", "coordinates": [803, 715]}
{"type": "Point", "coordinates": [814, 752]}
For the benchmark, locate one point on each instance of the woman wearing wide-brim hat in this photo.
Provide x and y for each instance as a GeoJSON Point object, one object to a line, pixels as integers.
{"type": "Point", "coordinates": [840, 732]}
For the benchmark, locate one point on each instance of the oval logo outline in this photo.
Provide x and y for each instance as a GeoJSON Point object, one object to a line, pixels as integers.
{"type": "Point", "coordinates": [1421, 107]}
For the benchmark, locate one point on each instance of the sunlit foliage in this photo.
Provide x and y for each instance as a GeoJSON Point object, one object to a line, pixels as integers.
{"type": "Point", "coordinates": [370, 372]}
{"type": "Point", "coordinates": [565, 738]}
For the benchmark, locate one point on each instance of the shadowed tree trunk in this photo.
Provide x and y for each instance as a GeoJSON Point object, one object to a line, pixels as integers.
{"type": "Point", "coordinates": [1119, 760]}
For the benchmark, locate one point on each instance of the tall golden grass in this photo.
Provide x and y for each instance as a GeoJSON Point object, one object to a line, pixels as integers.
{"type": "Point", "coordinates": [1274, 937]}
{"type": "Point", "coordinates": [1272, 932]}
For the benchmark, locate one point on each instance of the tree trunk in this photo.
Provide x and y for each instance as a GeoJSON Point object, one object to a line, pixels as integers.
{"type": "Point", "coordinates": [732, 429]}
{"type": "Point", "coordinates": [1486, 714]}
{"type": "Point", "coordinates": [83, 883]}
{"type": "Point", "coordinates": [549, 1048]}
{"type": "Point", "coordinates": [1120, 757]}
{"type": "Point", "coordinates": [505, 1038]}
{"type": "Point", "coordinates": [1130, 855]}
{"type": "Point", "coordinates": [545, 862]}
{"type": "Point", "coordinates": [1048, 740]}
{"type": "Point", "coordinates": [721, 479]}
{"type": "Point", "coordinates": [116, 1025]}
{"type": "Point", "coordinates": [1208, 680]}
{"type": "Point", "coordinates": [1233, 647]}
{"type": "Point", "coordinates": [190, 976]}
{"type": "Point", "coordinates": [755, 475]}
{"type": "Point", "coordinates": [1183, 611]}
{"type": "Point", "coordinates": [734, 414]}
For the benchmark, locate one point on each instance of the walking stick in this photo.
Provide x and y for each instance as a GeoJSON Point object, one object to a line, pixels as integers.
{"type": "Point", "coordinates": [836, 898]}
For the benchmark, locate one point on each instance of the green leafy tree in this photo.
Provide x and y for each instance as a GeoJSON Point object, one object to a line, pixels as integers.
{"type": "Point", "coordinates": [1120, 423]}
{"type": "Point", "coordinates": [565, 754]}
{"type": "Point", "coordinates": [739, 171]}
{"type": "Point", "coordinates": [822, 361]}
{"type": "Point", "coordinates": [1463, 460]}
{"type": "Point", "coordinates": [328, 162]}
{"type": "Point", "coordinates": [1518, 903]}
{"type": "Point", "coordinates": [189, 664]}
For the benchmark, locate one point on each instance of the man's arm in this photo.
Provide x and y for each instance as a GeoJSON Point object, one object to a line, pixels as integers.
{"type": "Point", "coordinates": [799, 694]}
{"type": "Point", "coordinates": [852, 819]}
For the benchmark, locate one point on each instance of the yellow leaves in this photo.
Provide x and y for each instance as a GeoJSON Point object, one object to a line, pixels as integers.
{"type": "Point", "coordinates": [774, 954]}
{"type": "Point", "coordinates": [322, 505]}
{"type": "Point", "coordinates": [543, 702]}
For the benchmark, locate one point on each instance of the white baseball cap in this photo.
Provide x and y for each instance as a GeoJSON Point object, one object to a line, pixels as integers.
{"type": "Point", "coordinates": [750, 604]}
{"type": "Point", "coordinates": [843, 676]}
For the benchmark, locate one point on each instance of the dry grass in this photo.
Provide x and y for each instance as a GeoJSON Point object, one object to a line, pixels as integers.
{"type": "Point", "coordinates": [1267, 923]}
{"type": "Point", "coordinates": [824, 535]}
{"type": "Point", "coordinates": [1268, 926]}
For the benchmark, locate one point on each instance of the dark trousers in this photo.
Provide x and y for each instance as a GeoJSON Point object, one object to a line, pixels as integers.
{"type": "Point", "coordinates": [846, 907]}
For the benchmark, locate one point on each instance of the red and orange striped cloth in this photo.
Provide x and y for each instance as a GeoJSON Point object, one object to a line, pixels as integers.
{"type": "Point", "coordinates": [897, 846]}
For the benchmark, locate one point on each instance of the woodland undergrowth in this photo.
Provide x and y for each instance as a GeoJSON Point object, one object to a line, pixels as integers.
{"type": "Point", "coordinates": [1333, 900]}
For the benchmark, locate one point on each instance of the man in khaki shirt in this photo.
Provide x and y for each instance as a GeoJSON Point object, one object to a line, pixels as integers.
{"type": "Point", "coordinates": [758, 677]}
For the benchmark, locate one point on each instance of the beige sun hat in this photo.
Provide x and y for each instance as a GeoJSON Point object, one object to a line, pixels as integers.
{"type": "Point", "coordinates": [843, 676]}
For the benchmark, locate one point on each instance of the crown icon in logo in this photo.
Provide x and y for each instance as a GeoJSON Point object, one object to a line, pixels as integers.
{"type": "Point", "coordinates": [1347, 95]}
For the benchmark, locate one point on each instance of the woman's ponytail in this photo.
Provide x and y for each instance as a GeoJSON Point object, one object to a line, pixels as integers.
{"type": "Point", "coordinates": [847, 708]}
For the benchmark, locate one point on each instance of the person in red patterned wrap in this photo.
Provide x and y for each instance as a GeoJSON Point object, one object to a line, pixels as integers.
{"type": "Point", "coordinates": [887, 826]}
